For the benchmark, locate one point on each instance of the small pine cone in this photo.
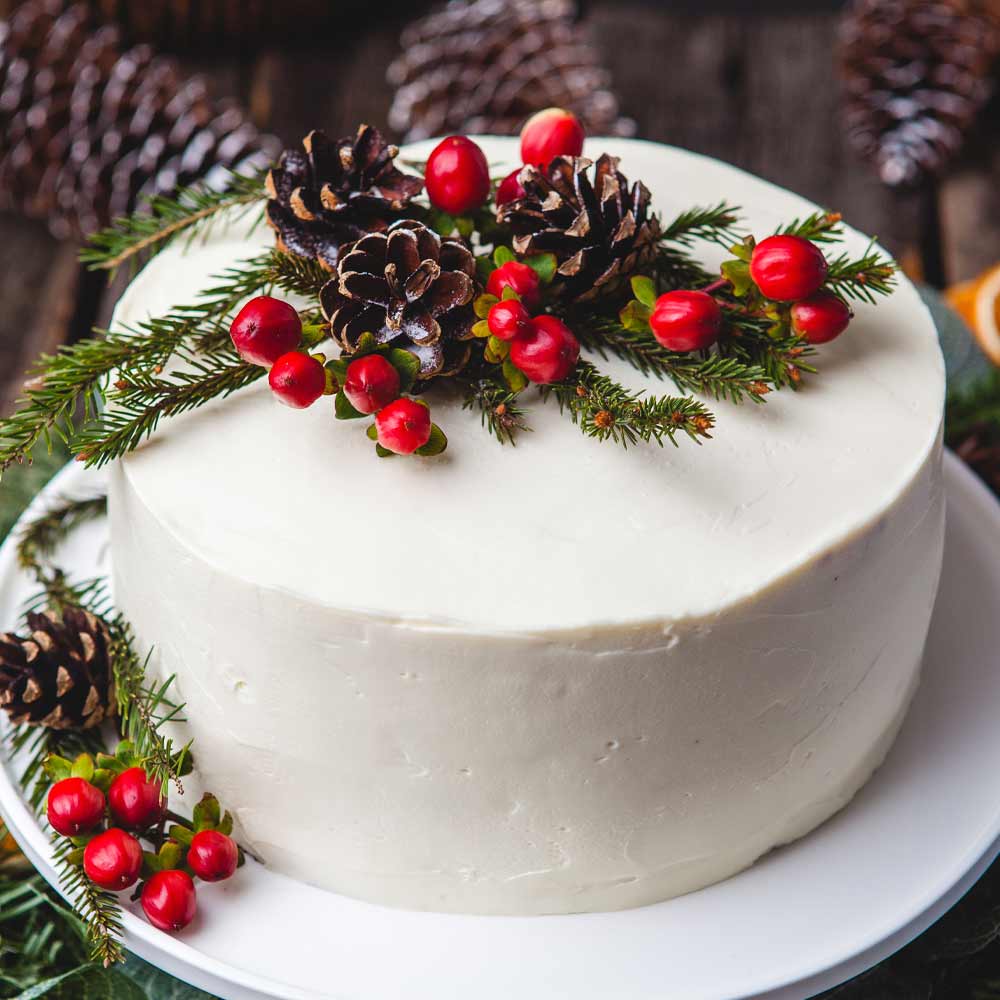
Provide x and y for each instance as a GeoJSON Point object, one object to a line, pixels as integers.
{"type": "Point", "coordinates": [59, 676]}
{"type": "Point", "coordinates": [601, 229]}
{"type": "Point", "coordinates": [487, 65]}
{"type": "Point", "coordinates": [407, 287]}
{"type": "Point", "coordinates": [916, 74]}
{"type": "Point", "coordinates": [330, 194]}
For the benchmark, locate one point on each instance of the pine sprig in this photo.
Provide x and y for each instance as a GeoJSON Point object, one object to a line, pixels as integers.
{"type": "Point", "coordinates": [499, 408]}
{"type": "Point", "coordinates": [37, 543]}
{"type": "Point", "coordinates": [605, 410]}
{"type": "Point", "coordinates": [864, 278]}
{"type": "Point", "coordinates": [140, 400]}
{"type": "Point", "coordinates": [191, 211]}
{"type": "Point", "coordinates": [820, 227]}
{"type": "Point", "coordinates": [716, 224]}
{"type": "Point", "coordinates": [32, 745]}
{"type": "Point", "coordinates": [296, 275]}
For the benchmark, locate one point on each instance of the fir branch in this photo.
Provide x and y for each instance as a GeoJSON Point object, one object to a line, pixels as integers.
{"type": "Point", "coordinates": [500, 411]}
{"type": "Point", "coordinates": [605, 410]}
{"type": "Point", "coordinates": [715, 223]}
{"type": "Point", "coordinates": [141, 400]}
{"type": "Point", "coordinates": [820, 227]}
{"type": "Point", "coordinates": [32, 745]}
{"type": "Point", "coordinates": [190, 211]}
{"type": "Point", "coordinates": [39, 540]}
{"type": "Point", "coordinates": [863, 279]}
{"type": "Point", "coordinates": [782, 358]}
{"type": "Point", "coordinates": [673, 268]}
{"type": "Point", "coordinates": [296, 275]}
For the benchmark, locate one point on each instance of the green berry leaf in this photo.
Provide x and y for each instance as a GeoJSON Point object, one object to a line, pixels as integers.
{"type": "Point", "coordinates": [516, 379]}
{"type": "Point", "coordinates": [484, 304]}
{"type": "Point", "coordinates": [503, 255]}
{"type": "Point", "coordinates": [465, 225]}
{"type": "Point", "coordinates": [644, 289]}
{"type": "Point", "coordinates": [58, 768]}
{"type": "Point", "coordinates": [544, 265]}
{"type": "Point", "coordinates": [738, 274]}
{"type": "Point", "coordinates": [484, 268]}
{"type": "Point", "coordinates": [151, 864]}
{"type": "Point", "coordinates": [384, 452]}
{"type": "Point", "coordinates": [343, 408]}
{"type": "Point", "coordinates": [367, 344]}
{"type": "Point", "coordinates": [338, 366]}
{"type": "Point", "coordinates": [83, 767]}
{"type": "Point", "coordinates": [441, 222]}
{"type": "Point", "coordinates": [181, 834]}
{"type": "Point", "coordinates": [436, 443]}
{"type": "Point", "coordinates": [744, 249]}
{"type": "Point", "coordinates": [102, 779]}
{"type": "Point", "coordinates": [481, 329]}
{"type": "Point", "coordinates": [635, 316]}
{"type": "Point", "coordinates": [125, 752]}
{"type": "Point", "coordinates": [406, 364]}
{"type": "Point", "coordinates": [207, 813]}
{"type": "Point", "coordinates": [75, 857]}
{"type": "Point", "coordinates": [496, 350]}
{"type": "Point", "coordinates": [226, 823]}
{"type": "Point", "coordinates": [372, 432]}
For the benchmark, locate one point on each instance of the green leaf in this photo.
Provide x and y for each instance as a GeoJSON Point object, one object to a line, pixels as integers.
{"type": "Point", "coordinates": [496, 350]}
{"type": "Point", "coordinates": [367, 344]}
{"type": "Point", "coordinates": [372, 432]}
{"type": "Point", "coordinates": [436, 443]}
{"type": "Point", "coordinates": [384, 452]}
{"type": "Point", "coordinates": [744, 249]}
{"type": "Point", "coordinates": [484, 268]}
{"type": "Point", "coordinates": [483, 304]}
{"type": "Point", "coordinates": [544, 265]}
{"type": "Point", "coordinates": [57, 768]}
{"type": "Point", "coordinates": [644, 289]}
{"type": "Point", "coordinates": [170, 855]}
{"type": "Point", "coordinates": [503, 255]}
{"type": "Point", "coordinates": [513, 376]}
{"type": "Point", "coordinates": [207, 813]}
{"type": "Point", "coordinates": [509, 293]}
{"type": "Point", "coordinates": [226, 824]}
{"type": "Point", "coordinates": [343, 409]}
{"type": "Point", "coordinates": [441, 222]}
{"type": "Point", "coordinates": [635, 316]}
{"type": "Point", "coordinates": [83, 767]}
{"type": "Point", "coordinates": [738, 274]}
{"type": "Point", "coordinates": [481, 329]}
{"type": "Point", "coordinates": [181, 834]}
{"type": "Point", "coordinates": [102, 779]}
{"type": "Point", "coordinates": [406, 364]}
{"type": "Point", "coordinates": [465, 225]}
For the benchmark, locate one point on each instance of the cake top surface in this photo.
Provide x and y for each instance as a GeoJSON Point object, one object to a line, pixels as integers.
{"type": "Point", "coordinates": [561, 531]}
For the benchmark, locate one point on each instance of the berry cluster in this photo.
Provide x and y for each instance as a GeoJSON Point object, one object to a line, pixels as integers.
{"type": "Point", "coordinates": [109, 805]}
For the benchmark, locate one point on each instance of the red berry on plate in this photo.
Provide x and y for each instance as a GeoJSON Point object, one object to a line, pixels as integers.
{"type": "Point", "coordinates": [113, 860]}
{"type": "Point", "coordinates": [264, 329]}
{"type": "Point", "coordinates": [509, 319]}
{"type": "Point", "coordinates": [457, 177]}
{"type": "Point", "coordinates": [74, 806]}
{"type": "Point", "coordinates": [403, 426]}
{"type": "Point", "coordinates": [371, 383]}
{"type": "Point", "coordinates": [821, 317]}
{"type": "Point", "coordinates": [686, 320]}
{"type": "Point", "coordinates": [136, 802]}
{"type": "Point", "coordinates": [297, 379]}
{"type": "Point", "coordinates": [521, 278]}
{"type": "Point", "coordinates": [550, 133]}
{"type": "Point", "coordinates": [549, 354]}
{"type": "Point", "coordinates": [509, 188]}
{"type": "Point", "coordinates": [169, 900]}
{"type": "Point", "coordinates": [213, 856]}
{"type": "Point", "coordinates": [786, 268]}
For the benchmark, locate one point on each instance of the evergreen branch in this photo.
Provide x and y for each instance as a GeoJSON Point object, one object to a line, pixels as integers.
{"type": "Point", "coordinates": [37, 543]}
{"type": "Point", "coordinates": [674, 268]}
{"type": "Point", "coordinates": [863, 279]}
{"type": "Point", "coordinates": [783, 359]}
{"type": "Point", "coordinates": [140, 400]}
{"type": "Point", "coordinates": [189, 211]}
{"type": "Point", "coordinates": [296, 275]}
{"type": "Point", "coordinates": [499, 409]}
{"type": "Point", "coordinates": [35, 744]}
{"type": "Point", "coordinates": [820, 227]}
{"type": "Point", "coordinates": [605, 410]}
{"type": "Point", "coordinates": [715, 223]}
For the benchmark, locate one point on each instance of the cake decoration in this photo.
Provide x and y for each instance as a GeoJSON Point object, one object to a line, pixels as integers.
{"type": "Point", "coordinates": [568, 259]}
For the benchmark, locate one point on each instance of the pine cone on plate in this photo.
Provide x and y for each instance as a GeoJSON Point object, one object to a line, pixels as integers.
{"type": "Point", "coordinates": [58, 676]}
{"type": "Point", "coordinates": [916, 74]}
{"type": "Point", "coordinates": [332, 193]}
{"type": "Point", "coordinates": [407, 287]}
{"type": "Point", "coordinates": [600, 227]}
{"type": "Point", "coordinates": [487, 65]}
{"type": "Point", "coordinates": [89, 128]}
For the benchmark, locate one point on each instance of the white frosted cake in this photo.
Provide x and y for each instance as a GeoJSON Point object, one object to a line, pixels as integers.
{"type": "Point", "coordinates": [554, 678]}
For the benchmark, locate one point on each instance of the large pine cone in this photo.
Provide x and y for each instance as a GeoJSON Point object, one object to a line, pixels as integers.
{"type": "Point", "coordinates": [916, 74]}
{"type": "Point", "coordinates": [601, 230]}
{"type": "Point", "coordinates": [486, 65]}
{"type": "Point", "coordinates": [407, 287]}
{"type": "Point", "coordinates": [88, 128]}
{"type": "Point", "coordinates": [332, 193]}
{"type": "Point", "coordinates": [59, 676]}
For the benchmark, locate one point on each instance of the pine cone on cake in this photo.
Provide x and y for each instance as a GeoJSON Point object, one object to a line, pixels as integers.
{"type": "Point", "coordinates": [331, 193]}
{"type": "Point", "coordinates": [58, 676]}
{"type": "Point", "coordinates": [916, 74]}
{"type": "Point", "coordinates": [600, 228]}
{"type": "Point", "coordinates": [410, 288]}
{"type": "Point", "coordinates": [487, 65]}
{"type": "Point", "coordinates": [89, 128]}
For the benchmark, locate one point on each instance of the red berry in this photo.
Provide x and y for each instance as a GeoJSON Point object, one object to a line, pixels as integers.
{"type": "Point", "coordinates": [522, 279]}
{"type": "Point", "coordinates": [297, 379]}
{"type": "Point", "coordinates": [548, 134]}
{"type": "Point", "coordinates": [457, 176]}
{"type": "Point", "coordinates": [113, 860]}
{"type": "Point", "coordinates": [509, 319]}
{"type": "Point", "coordinates": [686, 321]}
{"type": "Point", "coordinates": [169, 900]}
{"type": "Point", "coordinates": [74, 806]}
{"type": "Point", "coordinates": [821, 317]}
{"type": "Point", "coordinates": [786, 268]}
{"type": "Point", "coordinates": [403, 426]}
{"type": "Point", "coordinates": [136, 802]}
{"type": "Point", "coordinates": [509, 188]}
{"type": "Point", "coordinates": [371, 383]}
{"type": "Point", "coordinates": [549, 354]}
{"type": "Point", "coordinates": [264, 329]}
{"type": "Point", "coordinates": [213, 856]}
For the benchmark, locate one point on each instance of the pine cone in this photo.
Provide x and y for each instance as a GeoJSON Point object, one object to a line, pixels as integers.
{"type": "Point", "coordinates": [60, 675]}
{"type": "Point", "coordinates": [333, 193]}
{"type": "Point", "coordinates": [602, 230]}
{"type": "Point", "coordinates": [916, 74]}
{"type": "Point", "coordinates": [407, 287]}
{"type": "Point", "coordinates": [89, 128]}
{"type": "Point", "coordinates": [486, 65]}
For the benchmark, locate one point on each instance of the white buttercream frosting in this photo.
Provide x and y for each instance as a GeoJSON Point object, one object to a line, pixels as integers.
{"type": "Point", "coordinates": [555, 677]}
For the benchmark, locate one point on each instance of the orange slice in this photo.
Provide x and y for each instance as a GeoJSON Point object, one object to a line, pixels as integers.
{"type": "Point", "coordinates": [978, 303]}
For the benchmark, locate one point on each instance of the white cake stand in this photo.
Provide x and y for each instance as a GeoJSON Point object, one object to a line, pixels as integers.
{"type": "Point", "coordinates": [803, 919]}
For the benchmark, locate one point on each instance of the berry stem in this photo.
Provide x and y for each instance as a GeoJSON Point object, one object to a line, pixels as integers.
{"type": "Point", "coordinates": [716, 286]}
